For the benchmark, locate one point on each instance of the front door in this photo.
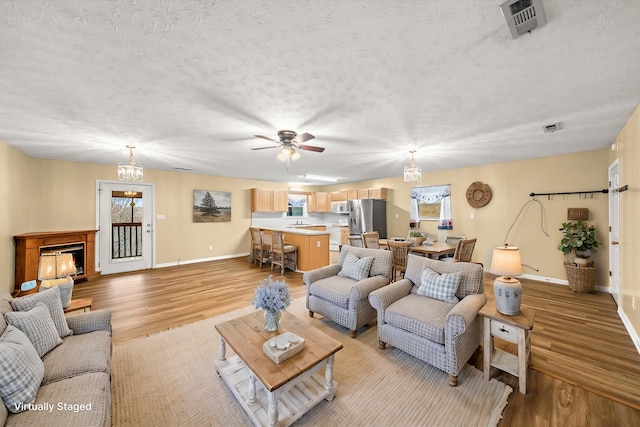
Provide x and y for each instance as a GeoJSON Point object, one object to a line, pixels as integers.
{"type": "Point", "coordinates": [614, 229]}
{"type": "Point", "coordinates": [125, 220]}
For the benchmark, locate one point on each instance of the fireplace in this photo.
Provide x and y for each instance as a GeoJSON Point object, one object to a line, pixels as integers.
{"type": "Point", "coordinates": [30, 246]}
{"type": "Point", "coordinates": [76, 249]}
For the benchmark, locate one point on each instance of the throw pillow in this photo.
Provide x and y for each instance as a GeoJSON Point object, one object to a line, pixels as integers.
{"type": "Point", "coordinates": [38, 326]}
{"type": "Point", "coordinates": [50, 298]}
{"type": "Point", "coordinates": [439, 286]}
{"type": "Point", "coordinates": [21, 370]}
{"type": "Point", "coordinates": [356, 268]}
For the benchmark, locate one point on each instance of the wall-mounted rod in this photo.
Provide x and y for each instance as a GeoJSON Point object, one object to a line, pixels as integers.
{"type": "Point", "coordinates": [604, 190]}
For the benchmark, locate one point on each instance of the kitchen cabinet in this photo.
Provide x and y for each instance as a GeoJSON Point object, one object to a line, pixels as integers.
{"type": "Point", "coordinates": [312, 202]}
{"type": "Point", "coordinates": [323, 202]}
{"type": "Point", "coordinates": [339, 196]}
{"type": "Point", "coordinates": [378, 193]}
{"type": "Point", "coordinates": [352, 195]}
{"type": "Point", "coordinates": [265, 200]}
{"type": "Point", "coordinates": [319, 202]}
{"type": "Point", "coordinates": [313, 250]}
{"type": "Point", "coordinates": [363, 193]}
{"type": "Point", "coordinates": [280, 200]}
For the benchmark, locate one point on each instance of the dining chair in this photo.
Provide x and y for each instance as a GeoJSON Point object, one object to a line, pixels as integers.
{"type": "Point", "coordinates": [355, 240]}
{"type": "Point", "coordinates": [399, 254]}
{"type": "Point", "coordinates": [260, 249]}
{"type": "Point", "coordinates": [371, 240]}
{"type": "Point", "coordinates": [282, 253]}
{"type": "Point", "coordinates": [463, 252]}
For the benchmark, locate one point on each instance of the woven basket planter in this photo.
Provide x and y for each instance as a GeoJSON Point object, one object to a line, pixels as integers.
{"type": "Point", "coordinates": [581, 279]}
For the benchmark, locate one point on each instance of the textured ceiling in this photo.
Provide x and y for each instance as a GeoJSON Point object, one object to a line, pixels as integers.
{"type": "Point", "coordinates": [190, 82]}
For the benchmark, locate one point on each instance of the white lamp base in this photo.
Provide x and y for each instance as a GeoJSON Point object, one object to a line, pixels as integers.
{"type": "Point", "coordinates": [508, 295]}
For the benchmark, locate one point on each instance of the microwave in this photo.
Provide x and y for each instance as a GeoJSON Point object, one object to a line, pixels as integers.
{"type": "Point", "coordinates": [340, 207]}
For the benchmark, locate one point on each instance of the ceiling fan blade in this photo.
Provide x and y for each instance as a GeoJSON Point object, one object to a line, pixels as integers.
{"type": "Point", "coordinates": [264, 148]}
{"type": "Point", "coordinates": [311, 148]}
{"type": "Point", "coordinates": [265, 137]}
{"type": "Point", "coordinates": [302, 138]}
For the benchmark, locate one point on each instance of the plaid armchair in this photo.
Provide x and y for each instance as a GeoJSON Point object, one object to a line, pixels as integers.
{"type": "Point", "coordinates": [443, 334]}
{"type": "Point", "coordinates": [344, 299]}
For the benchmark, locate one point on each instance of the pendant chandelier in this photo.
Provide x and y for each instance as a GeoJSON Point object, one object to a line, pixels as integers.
{"type": "Point", "coordinates": [130, 171]}
{"type": "Point", "coordinates": [412, 173]}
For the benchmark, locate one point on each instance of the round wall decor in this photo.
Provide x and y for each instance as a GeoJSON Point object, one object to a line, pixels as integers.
{"type": "Point", "coordinates": [478, 194]}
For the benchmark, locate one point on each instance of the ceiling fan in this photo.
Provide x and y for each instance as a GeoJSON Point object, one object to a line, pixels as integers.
{"type": "Point", "coordinates": [290, 142]}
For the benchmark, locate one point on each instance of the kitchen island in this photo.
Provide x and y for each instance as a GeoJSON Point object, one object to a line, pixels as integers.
{"type": "Point", "coordinates": [313, 245]}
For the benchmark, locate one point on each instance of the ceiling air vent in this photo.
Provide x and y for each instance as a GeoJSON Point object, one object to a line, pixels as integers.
{"type": "Point", "coordinates": [523, 16]}
{"type": "Point", "coordinates": [552, 127]}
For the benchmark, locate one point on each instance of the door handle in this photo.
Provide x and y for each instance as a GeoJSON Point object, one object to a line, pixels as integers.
{"type": "Point", "coordinates": [615, 243]}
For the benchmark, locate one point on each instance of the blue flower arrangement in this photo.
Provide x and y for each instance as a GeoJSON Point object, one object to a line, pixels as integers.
{"type": "Point", "coordinates": [272, 295]}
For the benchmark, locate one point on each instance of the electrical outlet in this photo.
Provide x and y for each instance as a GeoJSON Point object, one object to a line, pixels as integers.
{"type": "Point", "coordinates": [318, 243]}
{"type": "Point", "coordinates": [472, 216]}
{"type": "Point", "coordinates": [210, 247]}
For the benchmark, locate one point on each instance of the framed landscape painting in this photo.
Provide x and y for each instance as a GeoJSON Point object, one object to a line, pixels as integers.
{"type": "Point", "coordinates": [211, 206]}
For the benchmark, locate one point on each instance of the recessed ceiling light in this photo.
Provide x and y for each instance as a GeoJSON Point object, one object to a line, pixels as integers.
{"type": "Point", "coordinates": [320, 178]}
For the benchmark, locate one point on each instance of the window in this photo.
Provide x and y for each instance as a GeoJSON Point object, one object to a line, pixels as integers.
{"type": "Point", "coordinates": [297, 205]}
{"type": "Point", "coordinates": [432, 203]}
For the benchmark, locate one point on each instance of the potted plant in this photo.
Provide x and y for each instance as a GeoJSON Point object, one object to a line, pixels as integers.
{"type": "Point", "coordinates": [417, 236]}
{"type": "Point", "coordinates": [579, 238]}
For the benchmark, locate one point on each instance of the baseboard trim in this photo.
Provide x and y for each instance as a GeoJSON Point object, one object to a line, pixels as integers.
{"type": "Point", "coordinates": [629, 327]}
{"type": "Point", "coordinates": [194, 261]}
{"type": "Point", "coordinates": [606, 289]}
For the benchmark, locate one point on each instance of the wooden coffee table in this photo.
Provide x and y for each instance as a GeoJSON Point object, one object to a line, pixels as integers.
{"type": "Point", "coordinates": [295, 382]}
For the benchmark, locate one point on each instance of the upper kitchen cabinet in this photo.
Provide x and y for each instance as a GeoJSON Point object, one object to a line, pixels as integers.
{"type": "Point", "coordinates": [339, 196]}
{"type": "Point", "coordinates": [352, 195]}
{"type": "Point", "coordinates": [323, 201]}
{"type": "Point", "coordinates": [378, 193]}
{"type": "Point", "coordinates": [280, 200]}
{"type": "Point", "coordinates": [312, 202]}
{"type": "Point", "coordinates": [264, 200]}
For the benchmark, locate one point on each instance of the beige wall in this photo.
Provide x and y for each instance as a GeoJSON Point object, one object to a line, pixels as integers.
{"type": "Point", "coordinates": [14, 207]}
{"type": "Point", "coordinates": [178, 239]}
{"type": "Point", "coordinates": [628, 153]}
{"type": "Point", "coordinates": [511, 184]}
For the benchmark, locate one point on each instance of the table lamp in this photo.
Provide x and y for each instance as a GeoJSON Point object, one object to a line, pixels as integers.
{"type": "Point", "coordinates": [507, 290]}
{"type": "Point", "coordinates": [54, 266]}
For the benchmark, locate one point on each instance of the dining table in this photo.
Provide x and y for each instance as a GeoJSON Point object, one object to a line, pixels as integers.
{"type": "Point", "coordinates": [434, 250]}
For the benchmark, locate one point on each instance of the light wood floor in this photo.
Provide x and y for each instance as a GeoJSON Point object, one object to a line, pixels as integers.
{"type": "Point", "coordinates": [577, 337]}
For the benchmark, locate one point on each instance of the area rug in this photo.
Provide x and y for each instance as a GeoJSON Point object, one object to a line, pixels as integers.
{"type": "Point", "coordinates": [169, 379]}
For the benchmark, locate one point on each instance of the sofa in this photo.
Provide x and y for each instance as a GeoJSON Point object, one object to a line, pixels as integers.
{"type": "Point", "coordinates": [432, 313]}
{"type": "Point", "coordinates": [339, 291]}
{"type": "Point", "coordinates": [54, 370]}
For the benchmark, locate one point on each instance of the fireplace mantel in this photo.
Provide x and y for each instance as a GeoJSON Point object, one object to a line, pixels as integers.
{"type": "Point", "coordinates": [29, 246]}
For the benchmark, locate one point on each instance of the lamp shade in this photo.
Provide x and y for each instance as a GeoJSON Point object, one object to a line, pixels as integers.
{"type": "Point", "coordinates": [55, 265]}
{"type": "Point", "coordinates": [506, 261]}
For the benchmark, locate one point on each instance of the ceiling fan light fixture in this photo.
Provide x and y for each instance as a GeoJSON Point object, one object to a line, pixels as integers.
{"type": "Point", "coordinates": [130, 171]}
{"type": "Point", "coordinates": [295, 155]}
{"type": "Point", "coordinates": [412, 173]}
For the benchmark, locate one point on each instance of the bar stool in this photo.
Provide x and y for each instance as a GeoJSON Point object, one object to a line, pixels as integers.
{"type": "Point", "coordinates": [260, 249]}
{"type": "Point", "coordinates": [282, 253]}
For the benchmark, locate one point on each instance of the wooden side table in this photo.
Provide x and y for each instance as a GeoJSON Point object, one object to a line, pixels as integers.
{"type": "Point", "coordinates": [514, 329]}
{"type": "Point", "coordinates": [83, 304]}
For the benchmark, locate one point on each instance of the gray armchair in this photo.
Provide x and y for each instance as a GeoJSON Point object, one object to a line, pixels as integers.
{"type": "Point", "coordinates": [443, 334]}
{"type": "Point", "coordinates": [343, 299]}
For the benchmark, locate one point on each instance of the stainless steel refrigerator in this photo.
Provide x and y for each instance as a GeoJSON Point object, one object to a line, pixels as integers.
{"type": "Point", "coordinates": [368, 215]}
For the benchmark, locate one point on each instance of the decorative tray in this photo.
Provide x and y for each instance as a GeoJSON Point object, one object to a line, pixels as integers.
{"type": "Point", "coordinates": [283, 346]}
